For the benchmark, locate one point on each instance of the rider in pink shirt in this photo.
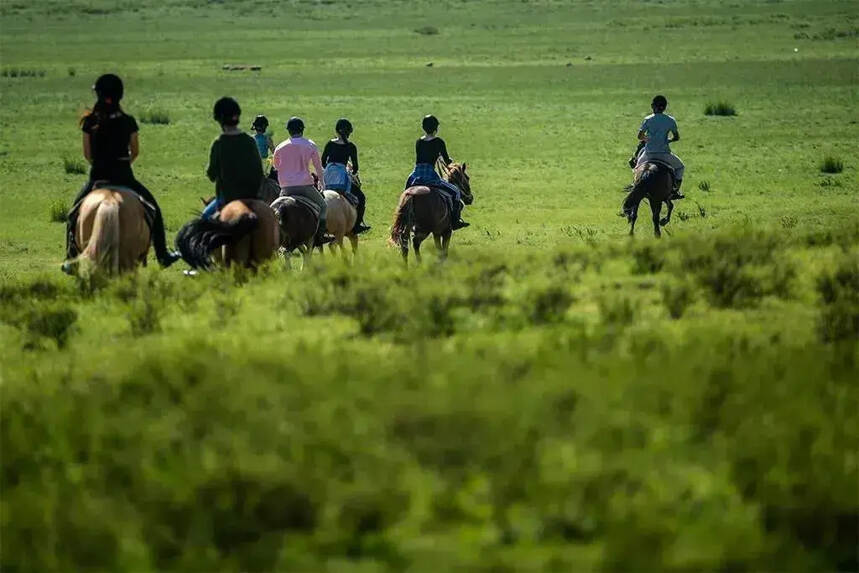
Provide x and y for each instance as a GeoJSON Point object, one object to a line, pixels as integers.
{"type": "Point", "coordinates": [292, 160]}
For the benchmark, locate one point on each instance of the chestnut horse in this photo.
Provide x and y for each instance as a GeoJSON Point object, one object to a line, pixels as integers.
{"type": "Point", "coordinates": [655, 181]}
{"type": "Point", "coordinates": [111, 231]}
{"type": "Point", "coordinates": [245, 233]}
{"type": "Point", "coordinates": [423, 211]}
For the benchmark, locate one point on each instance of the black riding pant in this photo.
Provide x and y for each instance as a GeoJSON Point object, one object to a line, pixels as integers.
{"type": "Point", "coordinates": [121, 175]}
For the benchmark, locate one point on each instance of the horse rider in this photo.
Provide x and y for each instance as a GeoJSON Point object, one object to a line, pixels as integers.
{"type": "Point", "coordinates": [110, 146]}
{"type": "Point", "coordinates": [653, 141]}
{"type": "Point", "coordinates": [263, 141]}
{"type": "Point", "coordinates": [428, 148]}
{"type": "Point", "coordinates": [337, 153]}
{"type": "Point", "coordinates": [234, 161]}
{"type": "Point", "coordinates": [292, 160]}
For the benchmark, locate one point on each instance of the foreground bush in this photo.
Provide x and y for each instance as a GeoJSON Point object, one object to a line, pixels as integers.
{"type": "Point", "coordinates": [537, 413]}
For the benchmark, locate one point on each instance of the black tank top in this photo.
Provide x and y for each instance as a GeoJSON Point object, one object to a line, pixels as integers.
{"type": "Point", "coordinates": [335, 152]}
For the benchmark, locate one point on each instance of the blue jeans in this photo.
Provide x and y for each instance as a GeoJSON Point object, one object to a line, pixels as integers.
{"type": "Point", "coordinates": [212, 208]}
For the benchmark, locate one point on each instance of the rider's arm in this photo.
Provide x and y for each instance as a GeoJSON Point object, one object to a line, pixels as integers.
{"type": "Point", "coordinates": [134, 146]}
{"type": "Point", "coordinates": [325, 152]}
{"type": "Point", "coordinates": [353, 155]}
{"type": "Point", "coordinates": [214, 167]}
{"type": "Point", "coordinates": [87, 144]}
{"type": "Point", "coordinates": [443, 152]}
{"type": "Point", "coordinates": [270, 142]}
{"type": "Point", "coordinates": [317, 165]}
{"type": "Point", "coordinates": [676, 136]}
{"type": "Point", "coordinates": [642, 135]}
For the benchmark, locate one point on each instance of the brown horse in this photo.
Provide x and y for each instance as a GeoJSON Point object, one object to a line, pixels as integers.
{"type": "Point", "coordinates": [111, 230]}
{"type": "Point", "coordinates": [655, 181]}
{"type": "Point", "coordinates": [297, 223]}
{"type": "Point", "coordinates": [245, 233]}
{"type": "Point", "coordinates": [340, 221]}
{"type": "Point", "coordinates": [424, 211]}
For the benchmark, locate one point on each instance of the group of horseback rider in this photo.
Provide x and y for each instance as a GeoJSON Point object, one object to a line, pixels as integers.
{"type": "Point", "coordinates": [110, 145]}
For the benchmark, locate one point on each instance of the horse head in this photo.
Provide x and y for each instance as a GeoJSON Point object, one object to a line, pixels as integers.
{"type": "Point", "coordinates": [458, 175]}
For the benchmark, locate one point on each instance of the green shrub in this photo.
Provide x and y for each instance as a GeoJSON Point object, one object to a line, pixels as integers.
{"type": "Point", "coordinates": [721, 108]}
{"type": "Point", "coordinates": [74, 166]}
{"type": "Point", "coordinates": [839, 293]}
{"type": "Point", "coordinates": [155, 117]}
{"type": "Point", "coordinates": [427, 30]}
{"type": "Point", "coordinates": [58, 211]}
{"type": "Point", "coordinates": [677, 295]}
{"type": "Point", "coordinates": [704, 185]}
{"type": "Point", "coordinates": [831, 164]}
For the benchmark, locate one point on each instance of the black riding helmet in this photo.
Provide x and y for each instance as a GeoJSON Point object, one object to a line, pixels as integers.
{"type": "Point", "coordinates": [260, 123]}
{"type": "Point", "coordinates": [659, 102]}
{"type": "Point", "coordinates": [295, 126]}
{"type": "Point", "coordinates": [108, 86]}
{"type": "Point", "coordinates": [430, 123]}
{"type": "Point", "coordinates": [343, 127]}
{"type": "Point", "coordinates": [227, 111]}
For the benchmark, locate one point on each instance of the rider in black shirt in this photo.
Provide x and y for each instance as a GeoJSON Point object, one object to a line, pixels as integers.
{"type": "Point", "coordinates": [110, 145]}
{"type": "Point", "coordinates": [337, 153]}
{"type": "Point", "coordinates": [427, 151]}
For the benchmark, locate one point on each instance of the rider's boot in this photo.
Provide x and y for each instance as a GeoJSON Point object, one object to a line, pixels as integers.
{"type": "Point", "coordinates": [458, 223]}
{"type": "Point", "coordinates": [360, 227]}
{"type": "Point", "coordinates": [165, 256]}
{"type": "Point", "coordinates": [321, 237]}
{"type": "Point", "coordinates": [675, 193]}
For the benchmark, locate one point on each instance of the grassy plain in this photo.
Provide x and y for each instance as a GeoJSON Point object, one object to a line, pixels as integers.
{"type": "Point", "coordinates": [554, 397]}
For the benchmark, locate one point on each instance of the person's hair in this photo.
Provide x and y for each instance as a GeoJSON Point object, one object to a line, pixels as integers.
{"type": "Point", "coordinates": [260, 123]}
{"type": "Point", "coordinates": [109, 91]}
{"type": "Point", "coordinates": [430, 123]}
{"type": "Point", "coordinates": [659, 102]}
{"type": "Point", "coordinates": [343, 128]}
{"type": "Point", "coordinates": [295, 126]}
{"type": "Point", "coordinates": [227, 111]}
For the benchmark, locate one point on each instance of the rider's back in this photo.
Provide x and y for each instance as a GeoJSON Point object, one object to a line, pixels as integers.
{"type": "Point", "coordinates": [658, 126]}
{"type": "Point", "coordinates": [110, 137]}
{"type": "Point", "coordinates": [234, 165]}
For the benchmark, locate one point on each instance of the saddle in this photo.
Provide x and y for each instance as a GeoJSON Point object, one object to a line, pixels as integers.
{"type": "Point", "coordinates": [426, 189]}
{"type": "Point", "coordinates": [148, 208]}
{"type": "Point", "coordinates": [353, 200]}
{"type": "Point", "coordinates": [299, 200]}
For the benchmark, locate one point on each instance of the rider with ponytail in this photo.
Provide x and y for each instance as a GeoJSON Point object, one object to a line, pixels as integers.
{"type": "Point", "coordinates": [428, 149]}
{"type": "Point", "coordinates": [337, 153]}
{"type": "Point", "coordinates": [110, 145]}
{"type": "Point", "coordinates": [653, 141]}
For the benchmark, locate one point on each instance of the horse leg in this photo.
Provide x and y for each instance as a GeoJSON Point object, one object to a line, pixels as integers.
{"type": "Point", "coordinates": [354, 240]}
{"type": "Point", "coordinates": [667, 219]}
{"type": "Point", "coordinates": [445, 242]}
{"type": "Point", "coordinates": [655, 209]}
{"type": "Point", "coordinates": [437, 240]}
{"type": "Point", "coordinates": [632, 219]}
{"type": "Point", "coordinates": [416, 244]}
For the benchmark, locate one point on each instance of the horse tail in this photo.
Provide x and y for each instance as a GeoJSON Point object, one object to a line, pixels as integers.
{"type": "Point", "coordinates": [103, 245]}
{"type": "Point", "coordinates": [198, 238]}
{"type": "Point", "coordinates": [403, 221]}
{"type": "Point", "coordinates": [641, 187]}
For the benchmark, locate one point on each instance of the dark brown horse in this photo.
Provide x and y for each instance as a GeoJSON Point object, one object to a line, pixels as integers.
{"type": "Point", "coordinates": [423, 211]}
{"type": "Point", "coordinates": [298, 225]}
{"type": "Point", "coordinates": [654, 181]}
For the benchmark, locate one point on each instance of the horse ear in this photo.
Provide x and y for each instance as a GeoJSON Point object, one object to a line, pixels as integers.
{"type": "Point", "coordinates": [463, 166]}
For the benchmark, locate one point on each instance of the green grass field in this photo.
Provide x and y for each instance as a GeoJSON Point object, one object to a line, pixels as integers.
{"type": "Point", "coordinates": [555, 396]}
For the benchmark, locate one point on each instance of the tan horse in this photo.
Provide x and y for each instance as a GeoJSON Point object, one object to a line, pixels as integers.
{"type": "Point", "coordinates": [425, 212]}
{"type": "Point", "coordinates": [111, 231]}
{"type": "Point", "coordinates": [654, 181]}
{"type": "Point", "coordinates": [341, 221]}
{"type": "Point", "coordinates": [245, 233]}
